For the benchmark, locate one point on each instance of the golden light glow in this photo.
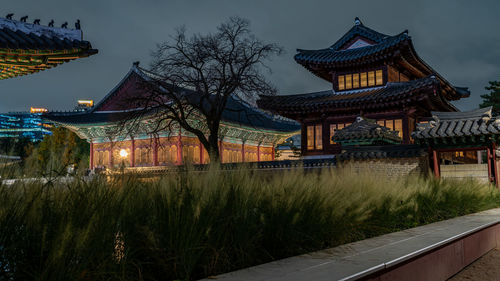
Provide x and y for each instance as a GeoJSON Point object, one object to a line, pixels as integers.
{"type": "Point", "coordinates": [123, 153]}
{"type": "Point", "coordinates": [38, 110]}
{"type": "Point", "coordinates": [88, 103]}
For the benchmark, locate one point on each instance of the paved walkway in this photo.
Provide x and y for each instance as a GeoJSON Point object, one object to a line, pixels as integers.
{"type": "Point", "coordinates": [359, 259]}
{"type": "Point", "coordinates": [484, 269]}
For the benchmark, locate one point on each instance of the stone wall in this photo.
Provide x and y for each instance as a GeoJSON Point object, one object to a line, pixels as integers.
{"type": "Point", "coordinates": [390, 167]}
{"type": "Point", "coordinates": [463, 171]}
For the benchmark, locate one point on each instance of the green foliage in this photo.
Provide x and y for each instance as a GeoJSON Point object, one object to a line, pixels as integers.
{"type": "Point", "coordinates": [56, 152]}
{"type": "Point", "coordinates": [191, 225]}
{"type": "Point", "coordinates": [492, 98]}
{"type": "Point", "coordinates": [16, 146]}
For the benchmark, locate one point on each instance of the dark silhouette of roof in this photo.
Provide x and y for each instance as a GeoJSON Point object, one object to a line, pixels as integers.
{"type": "Point", "coordinates": [383, 151]}
{"type": "Point", "coordinates": [365, 132]}
{"type": "Point", "coordinates": [395, 93]}
{"type": "Point", "coordinates": [458, 124]}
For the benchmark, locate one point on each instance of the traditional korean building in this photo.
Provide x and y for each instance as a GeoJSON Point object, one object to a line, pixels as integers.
{"type": "Point", "coordinates": [373, 75]}
{"type": "Point", "coordinates": [457, 142]}
{"type": "Point", "coordinates": [248, 134]}
{"type": "Point", "coordinates": [27, 48]}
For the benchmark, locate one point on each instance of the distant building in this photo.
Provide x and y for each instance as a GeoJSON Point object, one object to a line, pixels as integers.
{"type": "Point", "coordinates": [83, 105]}
{"type": "Point", "coordinates": [247, 133]}
{"type": "Point", "coordinates": [24, 125]}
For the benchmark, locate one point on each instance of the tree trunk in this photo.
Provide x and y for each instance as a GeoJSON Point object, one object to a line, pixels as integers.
{"type": "Point", "coordinates": [213, 149]}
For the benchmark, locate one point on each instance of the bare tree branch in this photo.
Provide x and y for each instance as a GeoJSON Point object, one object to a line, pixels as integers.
{"type": "Point", "coordinates": [193, 78]}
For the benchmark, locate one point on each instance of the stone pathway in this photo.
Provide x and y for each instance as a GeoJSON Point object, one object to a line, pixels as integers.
{"type": "Point", "coordinates": [487, 268]}
{"type": "Point", "coordinates": [363, 258]}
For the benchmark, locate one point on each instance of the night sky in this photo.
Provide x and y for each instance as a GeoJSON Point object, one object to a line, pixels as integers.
{"type": "Point", "coordinates": [459, 39]}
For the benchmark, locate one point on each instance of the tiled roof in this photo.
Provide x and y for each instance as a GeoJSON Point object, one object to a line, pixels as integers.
{"type": "Point", "coordinates": [364, 131]}
{"type": "Point", "coordinates": [86, 117]}
{"type": "Point", "coordinates": [27, 48]}
{"type": "Point", "coordinates": [385, 151]}
{"type": "Point", "coordinates": [393, 92]}
{"type": "Point", "coordinates": [359, 30]}
{"type": "Point", "coordinates": [457, 124]}
{"type": "Point", "coordinates": [237, 112]}
{"type": "Point", "coordinates": [375, 47]}
{"type": "Point", "coordinates": [332, 55]}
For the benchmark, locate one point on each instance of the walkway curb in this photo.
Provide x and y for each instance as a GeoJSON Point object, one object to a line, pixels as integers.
{"type": "Point", "coordinates": [435, 251]}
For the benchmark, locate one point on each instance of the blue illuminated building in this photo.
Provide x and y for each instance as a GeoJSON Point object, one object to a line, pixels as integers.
{"type": "Point", "coordinates": [24, 125]}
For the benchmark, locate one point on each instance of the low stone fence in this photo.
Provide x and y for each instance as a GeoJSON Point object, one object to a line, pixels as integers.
{"type": "Point", "coordinates": [389, 167]}
{"type": "Point", "coordinates": [389, 160]}
{"type": "Point", "coordinates": [463, 171]}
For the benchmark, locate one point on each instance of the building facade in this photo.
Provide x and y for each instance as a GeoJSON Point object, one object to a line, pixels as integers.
{"type": "Point", "coordinates": [247, 133]}
{"type": "Point", "coordinates": [24, 125]}
{"type": "Point", "coordinates": [373, 75]}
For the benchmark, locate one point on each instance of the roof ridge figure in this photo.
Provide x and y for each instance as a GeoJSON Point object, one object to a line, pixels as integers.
{"type": "Point", "coordinates": [357, 21]}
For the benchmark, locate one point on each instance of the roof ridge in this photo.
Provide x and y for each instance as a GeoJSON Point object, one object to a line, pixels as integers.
{"type": "Point", "coordinates": [361, 30]}
{"type": "Point", "coordinates": [41, 30]}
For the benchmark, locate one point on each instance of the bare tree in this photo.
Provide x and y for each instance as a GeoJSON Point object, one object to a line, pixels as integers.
{"type": "Point", "coordinates": [194, 77]}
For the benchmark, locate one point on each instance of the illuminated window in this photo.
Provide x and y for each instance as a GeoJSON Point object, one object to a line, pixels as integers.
{"type": "Point", "coordinates": [347, 124]}
{"type": "Point", "coordinates": [341, 82]}
{"type": "Point", "coordinates": [310, 137]}
{"type": "Point", "coordinates": [319, 137]}
{"type": "Point", "coordinates": [381, 122]}
{"type": "Point", "coordinates": [389, 124]}
{"type": "Point", "coordinates": [355, 80]}
{"type": "Point", "coordinates": [371, 78]}
{"type": "Point", "coordinates": [363, 80]}
{"type": "Point", "coordinates": [398, 126]}
{"type": "Point", "coordinates": [378, 77]}
{"type": "Point", "coordinates": [360, 80]}
{"type": "Point", "coordinates": [314, 137]}
{"type": "Point", "coordinates": [348, 81]}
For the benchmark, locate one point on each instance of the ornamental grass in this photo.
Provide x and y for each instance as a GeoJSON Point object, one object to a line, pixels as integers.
{"type": "Point", "coordinates": [186, 226]}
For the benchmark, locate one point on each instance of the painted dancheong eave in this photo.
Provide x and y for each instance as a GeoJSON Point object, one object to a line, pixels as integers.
{"type": "Point", "coordinates": [26, 48]}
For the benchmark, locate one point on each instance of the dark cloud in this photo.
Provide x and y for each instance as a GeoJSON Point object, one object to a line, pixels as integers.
{"type": "Point", "coordinates": [459, 39]}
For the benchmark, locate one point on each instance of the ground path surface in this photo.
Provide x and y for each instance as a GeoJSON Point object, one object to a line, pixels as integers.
{"type": "Point", "coordinates": [432, 252]}
{"type": "Point", "coordinates": [487, 268]}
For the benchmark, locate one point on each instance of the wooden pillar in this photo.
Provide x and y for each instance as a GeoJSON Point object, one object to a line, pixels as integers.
{"type": "Point", "coordinates": [325, 134]}
{"type": "Point", "coordinates": [272, 152]}
{"type": "Point", "coordinates": [132, 153]}
{"type": "Point", "coordinates": [202, 153]}
{"type": "Point", "coordinates": [179, 150]}
{"type": "Point", "coordinates": [495, 166]}
{"type": "Point", "coordinates": [435, 159]}
{"type": "Point", "coordinates": [155, 151]}
{"type": "Point", "coordinates": [91, 160]}
{"type": "Point", "coordinates": [490, 175]}
{"type": "Point", "coordinates": [303, 136]}
{"type": "Point", "coordinates": [258, 153]}
{"type": "Point", "coordinates": [221, 151]}
{"type": "Point", "coordinates": [243, 151]}
{"type": "Point", "coordinates": [111, 155]}
{"type": "Point", "coordinates": [406, 128]}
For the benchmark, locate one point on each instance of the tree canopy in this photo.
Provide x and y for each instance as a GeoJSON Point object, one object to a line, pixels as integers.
{"type": "Point", "coordinates": [195, 76]}
{"type": "Point", "coordinates": [493, 97]}
{"type": "Point", "coordinates": [57, 151]}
